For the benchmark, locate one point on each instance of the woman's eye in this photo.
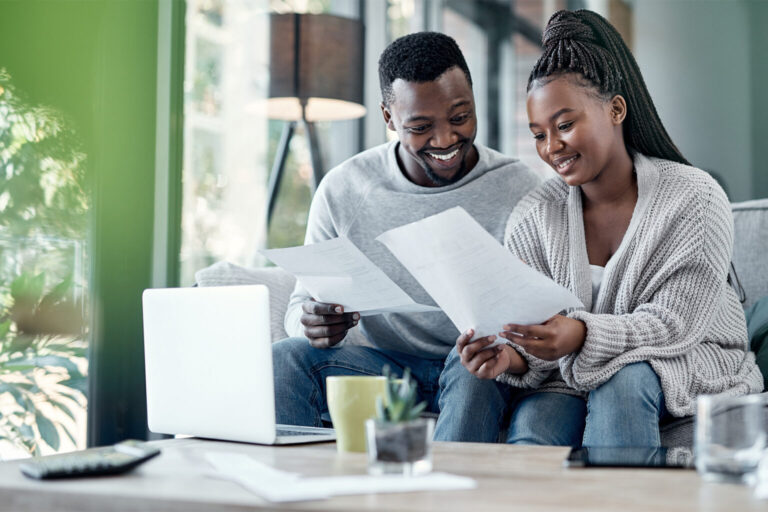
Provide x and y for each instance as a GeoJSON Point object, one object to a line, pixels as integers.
{"type": "Point", "coordinates": [538, 136]}
{"type": "Point", "coordinates": [565, 126]}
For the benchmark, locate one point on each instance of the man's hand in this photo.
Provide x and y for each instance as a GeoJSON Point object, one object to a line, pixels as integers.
{"type": "Point", "coordinates": [326, 324]}
{"type": "Point", "coordinates": [555, 338]}
{"type": "Point", "coordinates": [490, 363]}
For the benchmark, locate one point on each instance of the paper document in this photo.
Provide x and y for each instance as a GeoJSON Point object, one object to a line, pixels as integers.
{"type": "Point", "coordinates": [477, 282]}
{"type": "Point", "coordinates": [337, 272]}
{"type": "Point", "coordinates": [279, 486]}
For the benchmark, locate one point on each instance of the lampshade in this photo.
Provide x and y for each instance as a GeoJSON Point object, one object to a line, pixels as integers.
{"type": "Point", "coordinates": [315, 60]}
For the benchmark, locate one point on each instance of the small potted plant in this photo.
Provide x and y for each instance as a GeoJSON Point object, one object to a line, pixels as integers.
{"type": "Point", "coordinates": [399, 440]}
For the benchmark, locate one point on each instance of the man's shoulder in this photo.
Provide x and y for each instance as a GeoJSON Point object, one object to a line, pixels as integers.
{"type": "Point", "coordinates": [373, 159]}
{"type": "Point", "coordinates": [506, 167]}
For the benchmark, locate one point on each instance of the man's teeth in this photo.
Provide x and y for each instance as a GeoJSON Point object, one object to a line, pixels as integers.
{"type": "Point", "coordinates": [561, 165]}
{"type": "Point", "coordinates": [445, 157]}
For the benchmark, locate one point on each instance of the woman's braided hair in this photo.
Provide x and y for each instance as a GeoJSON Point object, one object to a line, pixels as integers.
{"type": "Point", "coordinates": [583, 42]}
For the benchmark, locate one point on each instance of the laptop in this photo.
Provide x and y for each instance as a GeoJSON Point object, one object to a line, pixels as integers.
{"type": "Point", "coordinates": [208, 362]}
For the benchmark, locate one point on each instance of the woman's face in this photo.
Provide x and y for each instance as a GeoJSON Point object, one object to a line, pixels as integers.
{"type": "Point", "coordinates": [576, 132]}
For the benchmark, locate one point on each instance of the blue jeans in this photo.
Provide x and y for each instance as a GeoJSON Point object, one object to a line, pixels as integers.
{"type": "Point", "coordinates": [447, 387]}
{"type": "Point", "coordinates": [472, 409]}
{"type": "Point", "coordinates": [625, 411]}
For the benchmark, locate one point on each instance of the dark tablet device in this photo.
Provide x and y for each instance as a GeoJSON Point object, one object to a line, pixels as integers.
{"type": "Point", "coordinates": [681, 458]}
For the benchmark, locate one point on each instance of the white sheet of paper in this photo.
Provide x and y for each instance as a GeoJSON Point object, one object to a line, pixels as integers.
{"type": "Point", "coordinates": [279, 486]}
{"type": "Point", "coordinates": [477, 282]}
{"type": "Point", "coordinates": [337, 272]}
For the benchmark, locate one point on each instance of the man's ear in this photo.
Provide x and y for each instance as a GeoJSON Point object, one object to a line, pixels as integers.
{"type": "Point", "coordinates": [618, 109]}
{"type": "Point", "coordinates": [387, 117]}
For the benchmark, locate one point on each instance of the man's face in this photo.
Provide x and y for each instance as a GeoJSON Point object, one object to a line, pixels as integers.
{"type": "Point", "coordinates": [435, 122]}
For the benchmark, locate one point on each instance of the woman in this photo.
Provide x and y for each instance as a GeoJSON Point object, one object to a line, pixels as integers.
{"type": "Point", "coordinates": [642, 238]}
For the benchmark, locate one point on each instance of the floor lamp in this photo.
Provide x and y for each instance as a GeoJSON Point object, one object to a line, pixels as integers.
{"type": "Point", "coordinates": [316, 74]}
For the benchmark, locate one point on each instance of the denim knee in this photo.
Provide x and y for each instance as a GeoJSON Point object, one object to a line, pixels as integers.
{"type": "Point", "coordinates": [635, 385]}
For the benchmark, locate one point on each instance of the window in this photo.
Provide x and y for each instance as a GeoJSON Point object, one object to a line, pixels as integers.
{"type": "Point", "coordinates": [43, 255]}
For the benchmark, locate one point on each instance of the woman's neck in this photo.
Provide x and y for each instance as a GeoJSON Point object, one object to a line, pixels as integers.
{"type": "Point", "coordinates": [616, 183]}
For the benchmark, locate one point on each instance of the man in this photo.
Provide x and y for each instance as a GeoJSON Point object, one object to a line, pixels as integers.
{"type": "Point", "coordinates": [435, 165]}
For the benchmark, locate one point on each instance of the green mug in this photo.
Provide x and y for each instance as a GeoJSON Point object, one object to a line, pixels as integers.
{"type": "Point", "coordinates": [351, 401]}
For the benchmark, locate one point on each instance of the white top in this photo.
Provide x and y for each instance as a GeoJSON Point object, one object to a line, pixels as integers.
{"type": "Point", "coordinates": [597, 279]}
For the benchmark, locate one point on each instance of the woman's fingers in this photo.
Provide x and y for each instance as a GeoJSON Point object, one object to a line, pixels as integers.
{"type": "Point", "coordinates": [476, 346]}
{"type": "Point", "coordinates": [480, 359]}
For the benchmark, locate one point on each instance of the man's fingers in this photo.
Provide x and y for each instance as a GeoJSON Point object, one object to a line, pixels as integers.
{"type": "Point", "coordinates": [308, 319]}
{"type": "Point", "coordinates": [325, 331]}
{"type": "Point", "coordinates": [321, 308]}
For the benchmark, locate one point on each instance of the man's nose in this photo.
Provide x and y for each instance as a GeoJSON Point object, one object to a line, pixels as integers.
{"type": "Point", "coordinates": [444, 137]}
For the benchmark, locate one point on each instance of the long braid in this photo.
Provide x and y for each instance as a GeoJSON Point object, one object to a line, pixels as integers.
{"type": "Point", "coordinates": [583, 42]}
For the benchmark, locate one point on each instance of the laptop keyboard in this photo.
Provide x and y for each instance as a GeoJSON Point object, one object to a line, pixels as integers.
{"type": "Point", "coordinates": [289, 432]}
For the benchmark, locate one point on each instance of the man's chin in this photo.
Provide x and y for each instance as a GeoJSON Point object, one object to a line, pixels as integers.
{"type": "Point", "coordinates": [441, 180]}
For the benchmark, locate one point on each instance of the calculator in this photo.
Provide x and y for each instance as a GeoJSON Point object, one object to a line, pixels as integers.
{"type": "Point", "coordinates": [106, 460]}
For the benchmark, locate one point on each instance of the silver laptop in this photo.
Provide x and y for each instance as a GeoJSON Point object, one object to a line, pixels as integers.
{"type": "Point", "coordinates": [208, 357]}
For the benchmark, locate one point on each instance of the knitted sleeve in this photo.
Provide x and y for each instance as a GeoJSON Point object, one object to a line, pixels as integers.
{"type": "Point", "coordinates": [522, 239]}
{"type": "Point", "coordinates": [675, 311]}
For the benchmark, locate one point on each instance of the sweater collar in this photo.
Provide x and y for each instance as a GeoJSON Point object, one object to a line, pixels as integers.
{"type": "Point", "coordinates": [581, 279]}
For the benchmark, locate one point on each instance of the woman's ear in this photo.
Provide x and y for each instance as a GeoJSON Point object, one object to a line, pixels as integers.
{"type": "Point", "coordinates": [618, 109]}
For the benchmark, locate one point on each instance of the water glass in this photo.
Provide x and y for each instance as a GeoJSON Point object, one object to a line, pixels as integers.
{"type": "Point", "coordinates": [730, 437]}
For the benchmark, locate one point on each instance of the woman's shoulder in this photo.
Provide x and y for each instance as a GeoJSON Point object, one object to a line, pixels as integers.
{"type": "Point", "coordinates": [550, 195]}
{"type": "Point", "coordinates": [688, 184]}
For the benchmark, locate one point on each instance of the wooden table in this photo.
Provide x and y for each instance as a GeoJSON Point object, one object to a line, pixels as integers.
{"type": "Point", "coordinates": [509, 478]}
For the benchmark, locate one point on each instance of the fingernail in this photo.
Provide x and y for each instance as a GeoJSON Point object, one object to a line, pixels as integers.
{"type": "Point", "coordinates": [356, 316]}
{"type": "Point", "coordinates": [507, 327]}
{"type": "Point", "coordinates": [339, 309]}
{"type": "Point", "coordinates": [492, 338]}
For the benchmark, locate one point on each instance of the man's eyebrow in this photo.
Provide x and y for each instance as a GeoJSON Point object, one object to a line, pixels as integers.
{"type": "Point", "coordinates": [417, 118]}
{"type": "Point", "coordinates": [461, 103]}
{"type": "Point", "coordinates": [554, 116]}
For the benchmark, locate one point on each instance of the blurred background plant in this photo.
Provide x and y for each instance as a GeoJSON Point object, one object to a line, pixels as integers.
{"type": "Point", "coordinates": [43, 223]}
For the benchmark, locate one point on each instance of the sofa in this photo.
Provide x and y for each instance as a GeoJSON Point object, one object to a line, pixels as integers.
{"type": "Point", "coordinates": [750, 259]}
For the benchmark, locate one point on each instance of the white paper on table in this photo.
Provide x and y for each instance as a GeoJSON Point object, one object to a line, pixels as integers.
{"type": "Point", "coordinates": [279, 486]}
{"type": "Point", "coordinates": [337, 272]}
{"type": "Point", "coordinates": [476, 281]}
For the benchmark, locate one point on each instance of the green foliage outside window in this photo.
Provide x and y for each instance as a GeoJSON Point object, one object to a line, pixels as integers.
{"type": "Point", "coordinates": [43, 221]}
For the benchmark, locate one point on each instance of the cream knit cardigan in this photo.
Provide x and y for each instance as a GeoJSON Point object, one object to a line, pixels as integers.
{"type": "Point", "coordinates": [664, 297]}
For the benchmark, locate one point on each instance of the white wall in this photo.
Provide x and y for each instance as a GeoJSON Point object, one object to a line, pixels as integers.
{"type": "Point", "coordinates": [695, 58]}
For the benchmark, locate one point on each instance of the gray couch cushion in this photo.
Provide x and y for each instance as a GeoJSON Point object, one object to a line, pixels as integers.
{"type": "Point", "coordinates": [750, 247]}
{"type": "Point", "coordinates": [279, 282]}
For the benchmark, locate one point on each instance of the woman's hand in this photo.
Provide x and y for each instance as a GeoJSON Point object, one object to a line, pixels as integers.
{"type": "Point", "coordinates": [555, 338]}
{"type": "Point", "coordinates": [490, 363]}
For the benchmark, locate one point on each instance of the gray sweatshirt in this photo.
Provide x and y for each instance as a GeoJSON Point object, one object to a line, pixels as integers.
{"type": "Point", "coordinates": [368, 195]}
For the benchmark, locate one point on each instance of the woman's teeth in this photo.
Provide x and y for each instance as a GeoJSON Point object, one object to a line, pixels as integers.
{"type": "Point", "coordinates": [562, 165]}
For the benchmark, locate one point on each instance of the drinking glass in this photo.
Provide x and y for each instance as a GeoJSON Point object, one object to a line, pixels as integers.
{"type": "Point", "coordinates": [730, 436]}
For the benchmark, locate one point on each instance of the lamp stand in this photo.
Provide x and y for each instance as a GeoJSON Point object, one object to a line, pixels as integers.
{"type": "Point", "coordinates": [278, 167]}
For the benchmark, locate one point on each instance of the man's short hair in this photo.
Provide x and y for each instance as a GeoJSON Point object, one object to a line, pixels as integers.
{"type": "Point", "coordinates": [419, 57]}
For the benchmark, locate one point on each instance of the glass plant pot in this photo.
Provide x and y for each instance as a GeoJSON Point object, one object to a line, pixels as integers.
{"type": "Point", "coordinates": [400, 448]}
